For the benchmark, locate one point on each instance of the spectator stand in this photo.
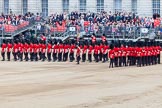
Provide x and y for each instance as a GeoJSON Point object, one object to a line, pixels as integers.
{"type": "Point", "coordinates": [9, 29]}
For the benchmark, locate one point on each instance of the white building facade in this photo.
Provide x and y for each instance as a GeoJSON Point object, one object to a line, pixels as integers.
{"type": "Point", "coordinates": [47, 7]}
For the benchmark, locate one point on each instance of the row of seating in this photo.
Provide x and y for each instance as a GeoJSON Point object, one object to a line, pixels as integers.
{"type": "Point", "coordinates": [9, 28]}
{"type": "Point", "coordinates": [58, 29]}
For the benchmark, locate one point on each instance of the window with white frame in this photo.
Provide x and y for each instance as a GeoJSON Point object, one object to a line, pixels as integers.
{"type": "Point", "coordinates": [83, 5]}
{"type": "Point", "coordinates": [156, 6]}
{"type": "Point", "coordinates": [25, 6]}
{"type": "Point", "coordinates": [117, 5]}
{"type": "Point", "coordinates": [45, 7]}
{"type": "Point", "coordinates": [100, 5]}
{"type": "Point", "coordinates": [134, 6]}
{"type": "Point", "coordinates": [6, 6]}
{"type": "Point", "coordinates": [65, 5]}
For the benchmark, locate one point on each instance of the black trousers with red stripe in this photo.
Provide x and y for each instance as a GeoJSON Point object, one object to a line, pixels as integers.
{"type": "Point", "coordinates": [3, 56]}
{"type": "Point", "coordinates": [8, 55]}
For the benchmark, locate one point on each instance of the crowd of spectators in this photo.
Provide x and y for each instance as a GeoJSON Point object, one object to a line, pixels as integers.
{"type": "Point", "coordinates": [108, 23]}
{"type": "Point", "coordinates": [104, 22]}
{"type": "Point", "coordinates": [12, 22]}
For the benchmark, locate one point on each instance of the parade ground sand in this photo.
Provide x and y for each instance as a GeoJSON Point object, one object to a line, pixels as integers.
{"type": "Point", "coordinates": [88, 85]}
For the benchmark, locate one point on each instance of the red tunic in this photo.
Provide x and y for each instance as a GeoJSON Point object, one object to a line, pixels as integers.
{"type": "Point", "coordinates": [90, 49]}
{"type": "Point", "coordinates": [55, 48]}
{"type": "Point", "coordinates": [116, 52]}
{"type": "Point", "coordinates": [60, 48]}
{"type": "Point", "coordinates": [78, 51]}
{"type": "Point", "coordinates": [111, 54]}
{"type": "Point", "coordinates": [96, 49]}
{"type": "Point", "coordinates": [4, 47]}
{"type": "Point", "coordinates": [31, 48]}
{"type": "Point", "coordinates": [105, 48]}
{"type": "Point", "coordinates": [43, 48]}
{"type": "Point", "coordinates": [72, 47]}
{"type": "Point", "coordinates": [49, 48]}
{"type": "Point", "coordinates": [15, 48]}
{"type": "Point", "coordinates": [84, 49]}
{"type": "Point", "coordinates": [124, 53]}
{"type": "Point", "coordinates": [21, 48]}
{"type": "Point", "coordinates": [26, 47]}
{"type": "Point", "coordinates": [9, 47]}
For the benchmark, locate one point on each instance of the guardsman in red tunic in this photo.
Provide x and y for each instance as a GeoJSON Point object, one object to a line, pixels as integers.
{"type": "Point", "coordinates": [40, 50]}
{"type": "Point", "coordinates": [9, 48]}
{"type": "Point", "coordinates": [71, 56]}
{"type": "Point", "coordinates": [101, 46]}
{"type": "Point", "coordinates": [36, 50]}
{"type": "Point", "coordinates": [65, 52]}
{"type": "Point", "coordinates": [78, 54]}
{"type": "Point", "coordinates": [104, 52]}
{"type": "Point", "coordinates": [84, 51]}
{"type": "Point", "coordinates": [120, 51]}
{"type": "Point", "coordinates": [55, 48]}
{"type": "Point", "coordinates": [146, 55]}
{"type": "Point", "coordinates": [158, 53]}
{"type": "Point", "coordinates": [90, 49]}
{"type": "Point", "coordinates": [107, 47]}
{"type": "Point", "coordinates": [49, 50]}
{"type": "Point", "coordinates": [134, 55]}
{"type": "Point", "coordinates": [15, 50]}
{"type": "Point", "coordinates": [19, 47]}
{"type": "Point", "coordinates": [143, 52]}
{"type": "Point", "coordinates": [124, 55]}
{"type": "Point", "coordinates": [26, 50]}
{"type": "Point", "coordinates": [43, 51]}
{"type": "Point", "coordinates": [154, 54]}
{"type": "Point", "coordinates": [3, 50]}
{"type": "Point", "coordinates": [31, 50]}
{"type": "Point", "coordinates": [111, 56]}
{"type": "Point", "coordinates": [96, 52]}
{"type": "Point", "coordinates": [116, 51]}
{"type": "Point", "coordinates": [21, 50]}
{"type": "Point", "coordinates": [60, 50]}
{"type": "Point", "coordinates": [149, 55]}
{"type": "Point", "coordinates": [139, 51]}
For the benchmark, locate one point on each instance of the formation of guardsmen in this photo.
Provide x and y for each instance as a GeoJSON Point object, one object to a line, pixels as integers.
{"type": "Point", "coordinates": [120, 54]}
{"type": "Point", "coordinates": [139, 54]}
